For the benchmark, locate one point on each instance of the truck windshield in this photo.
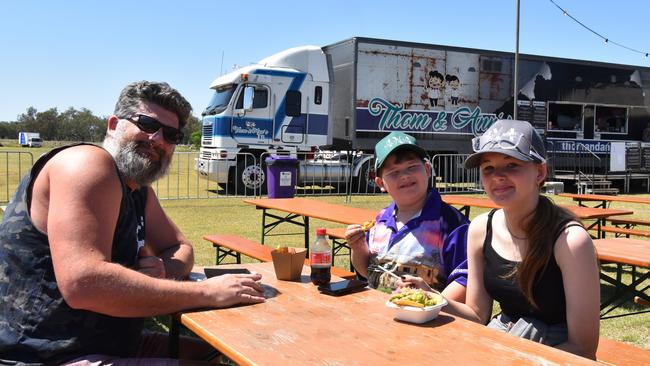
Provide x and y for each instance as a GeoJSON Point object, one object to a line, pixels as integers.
{"type": "Point", "coordinates": [220, 99]}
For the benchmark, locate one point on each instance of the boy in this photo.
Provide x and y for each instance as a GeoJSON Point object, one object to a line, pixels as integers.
{"type": "Point", "coordinates": [417, 233]}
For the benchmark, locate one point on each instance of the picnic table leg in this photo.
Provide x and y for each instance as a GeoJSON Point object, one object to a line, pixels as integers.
{"type": "Point", "coordinates": [263, 224]}
{"type": "Point", "coordinates": [599, 221]}
{"type": "Point", "coordinates": [622, 291]}
{"type": "Point", "coordinates": [306, 219]}
{"type": "Point", "coordinates": [174, 334]}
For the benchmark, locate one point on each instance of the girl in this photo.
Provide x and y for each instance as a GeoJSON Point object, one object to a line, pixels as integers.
{"type": "Point", "coordinates": [531, 256]}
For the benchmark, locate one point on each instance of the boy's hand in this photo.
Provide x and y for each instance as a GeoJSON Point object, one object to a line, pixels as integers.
{"type": "Point", "coordinates": [355, 237]}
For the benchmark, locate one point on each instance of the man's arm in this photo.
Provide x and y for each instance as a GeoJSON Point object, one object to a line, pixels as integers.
{"type": "Point", "coordinates": [165, 240]}
{"type": "Point", "coordinates": [79, 193]}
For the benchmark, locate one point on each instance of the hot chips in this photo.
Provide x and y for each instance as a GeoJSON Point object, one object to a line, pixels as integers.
{"type": "Point", "coordinates": [285, 250]}
{"type": "Point", "coordinates": [367, 225]}
{"type": "Point", "coordinates": [406, 302]}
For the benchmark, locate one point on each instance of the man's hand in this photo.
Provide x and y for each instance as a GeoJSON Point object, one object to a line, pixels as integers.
{"type": "Point", "coordinates": [232, 289]}
{"type": "Point", "coordinates": [149, 264]}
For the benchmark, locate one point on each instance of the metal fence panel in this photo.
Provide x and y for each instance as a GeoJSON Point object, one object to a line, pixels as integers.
{"type": "Point", "coordinates": [323, 173]}
{"type": "Point", "coordinates": [450, 176]}
{"type": "Point", "coordinates": [13, 166]}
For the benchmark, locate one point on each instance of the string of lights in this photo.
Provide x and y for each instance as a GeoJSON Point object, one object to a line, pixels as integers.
{"type": "Point", "coordinates": [606, 39]}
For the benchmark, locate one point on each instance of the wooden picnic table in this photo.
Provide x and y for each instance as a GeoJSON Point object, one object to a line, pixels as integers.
{"type": "Point", "coordinates": [297, 325]}
{"type": "Point", "coordinates": [603, 200]}
{"type": "Point", "coordinates": [624, 251]}
{"type": "Point", "coordinates": [299, 210]}
{"type": "Point", "coordinates": [599, 215]}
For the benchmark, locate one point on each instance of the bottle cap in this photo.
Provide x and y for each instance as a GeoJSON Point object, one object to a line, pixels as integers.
{"type": "Point", "coordinates": [320, 231]}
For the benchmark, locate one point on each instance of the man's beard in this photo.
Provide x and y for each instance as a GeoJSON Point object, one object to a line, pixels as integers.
{"type": "Point", "coordinates": [137, 166]}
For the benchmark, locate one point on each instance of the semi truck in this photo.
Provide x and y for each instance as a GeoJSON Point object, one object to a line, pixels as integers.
{"type": "Point", "coordinates": [340, 99]}
{"type": "Point", "coordinates": [30, 139]}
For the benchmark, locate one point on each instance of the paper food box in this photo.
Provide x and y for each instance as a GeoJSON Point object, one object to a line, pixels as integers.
{"type": "Point", "coordinates": [288, 262]}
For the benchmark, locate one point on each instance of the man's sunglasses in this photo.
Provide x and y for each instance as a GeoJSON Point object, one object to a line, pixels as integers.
{"type": "Point", "coordinates": [151, 125]}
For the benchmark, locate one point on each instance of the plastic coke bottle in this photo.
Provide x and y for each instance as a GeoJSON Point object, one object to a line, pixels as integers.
{"type": "Point", "coordinates": [320, 256]}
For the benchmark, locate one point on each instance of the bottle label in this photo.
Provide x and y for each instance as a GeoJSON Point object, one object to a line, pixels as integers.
{"type": "Point", "coordinates": [321, 259]}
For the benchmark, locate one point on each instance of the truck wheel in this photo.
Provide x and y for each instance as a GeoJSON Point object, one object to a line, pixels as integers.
{"type": "Point", "coordinates": [247, 178]}
{"type": "Point", "coordinates": [365, 182]}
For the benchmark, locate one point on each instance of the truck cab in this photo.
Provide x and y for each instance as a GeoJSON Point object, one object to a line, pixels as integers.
{"type": "Point", "coordinates": [277, 106]}
{"type": "Point", "coordinates": [34, 142]}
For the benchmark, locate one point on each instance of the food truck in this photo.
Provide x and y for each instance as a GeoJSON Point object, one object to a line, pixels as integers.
{"type": "Point", "coordinates": [346, 96]}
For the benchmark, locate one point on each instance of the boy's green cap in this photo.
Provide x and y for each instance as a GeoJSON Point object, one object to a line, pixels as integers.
{"type": "Point", "coordinates": [394, 141]}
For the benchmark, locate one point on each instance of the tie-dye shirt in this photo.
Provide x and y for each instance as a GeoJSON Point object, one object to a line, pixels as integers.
{"type": "Point", "coordinates": [432, 246]}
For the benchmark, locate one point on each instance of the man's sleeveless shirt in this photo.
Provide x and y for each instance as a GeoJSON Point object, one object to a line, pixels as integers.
{"type": "Point", "coordinates": [36, 324]}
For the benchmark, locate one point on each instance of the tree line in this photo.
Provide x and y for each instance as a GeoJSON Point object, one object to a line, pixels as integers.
{"type": "Point", "coordinates": [75, 125]}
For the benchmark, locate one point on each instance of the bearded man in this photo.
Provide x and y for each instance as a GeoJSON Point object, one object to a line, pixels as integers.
{"type": "Point", "coordinates": [86, 250]}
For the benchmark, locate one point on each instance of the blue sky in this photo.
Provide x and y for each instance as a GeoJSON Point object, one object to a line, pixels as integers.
{"type": "Point", "coordinates": [80, 53]}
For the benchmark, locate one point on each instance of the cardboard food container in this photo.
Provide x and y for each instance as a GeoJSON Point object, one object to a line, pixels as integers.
{"type": "Point", "coordinates": [288, 265]}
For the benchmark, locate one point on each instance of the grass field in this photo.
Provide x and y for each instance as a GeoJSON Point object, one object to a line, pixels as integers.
{"type": "Point", "coordinates": [197, 217]}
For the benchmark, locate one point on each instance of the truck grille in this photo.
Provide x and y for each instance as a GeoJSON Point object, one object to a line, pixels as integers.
{"type": "Point", "coordinates": [206, 155]}
{"type": "Point", "coordinates": [206, 134]}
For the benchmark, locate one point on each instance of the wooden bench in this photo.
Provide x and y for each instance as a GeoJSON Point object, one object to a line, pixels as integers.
{"type": "Point", "coordinates": [337, 235]}
{"type": "Point", "coordinates": [628, 223]}
{"type": "Point", "coordinates": [234, 246]}
{"type": "Point", "coordinates": [618, 231]}
{"type": "Point", "coordinates": [611, 352]}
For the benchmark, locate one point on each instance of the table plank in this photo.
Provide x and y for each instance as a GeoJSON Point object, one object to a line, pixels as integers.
{"type": "Point", "coordinates": [635, 252]}
{"type": "Point", "coordinates": [300, 326]}
{"type": "Point", "coordinates": [583, 213]}
{"type": "Point", "coordinates": [605, 198]}
{"type": "Point", "coordinates": [316, 209]}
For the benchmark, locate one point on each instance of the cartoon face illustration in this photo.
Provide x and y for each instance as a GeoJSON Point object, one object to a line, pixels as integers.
{"type": "Point", "coordinates": [435, 83]}
{"type": "Point", "coordinates": [435, 79]}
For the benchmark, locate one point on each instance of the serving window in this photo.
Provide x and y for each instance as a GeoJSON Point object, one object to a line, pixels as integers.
{"type": "Point", "coordinates": [564, 117]}
{"type": "Point", "coordinates": [611, 120]}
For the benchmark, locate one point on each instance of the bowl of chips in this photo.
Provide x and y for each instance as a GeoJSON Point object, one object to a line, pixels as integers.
{"type": "Point", "coordinates": [416, 305]}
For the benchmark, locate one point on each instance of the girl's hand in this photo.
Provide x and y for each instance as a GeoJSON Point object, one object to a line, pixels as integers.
{"type": "Point", "coordinates": [413, 282]}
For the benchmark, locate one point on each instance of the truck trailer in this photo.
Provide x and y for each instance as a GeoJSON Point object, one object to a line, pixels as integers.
{"type": "Point", "coordinates": [30, 139]}
{"type": "Point", "coordinates": [346, 96]}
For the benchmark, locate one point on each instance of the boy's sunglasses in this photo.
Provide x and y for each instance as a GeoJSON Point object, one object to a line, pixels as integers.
{"type": "Point", "coordinates": [151, 125]}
